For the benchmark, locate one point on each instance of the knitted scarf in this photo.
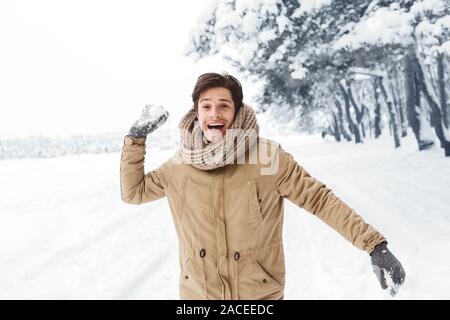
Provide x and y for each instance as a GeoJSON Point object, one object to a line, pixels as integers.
{"type": "Point", "coordinates": [197, 151]}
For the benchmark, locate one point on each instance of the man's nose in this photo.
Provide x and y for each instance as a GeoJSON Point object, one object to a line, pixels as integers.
{"type": "Point", "coordinates": [214, 113]}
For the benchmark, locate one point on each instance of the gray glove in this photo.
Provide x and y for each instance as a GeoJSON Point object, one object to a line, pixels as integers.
{"type": "Point", "coordinates": [152, 117]}
{"type": "Point", "coordinates": [387, 268]}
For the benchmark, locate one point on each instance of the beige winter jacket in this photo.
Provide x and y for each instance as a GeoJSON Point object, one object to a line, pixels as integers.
{"type": "Point", "coordinates": [229, 220]}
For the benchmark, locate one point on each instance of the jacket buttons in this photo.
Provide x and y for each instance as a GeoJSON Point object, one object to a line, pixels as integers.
{"type": "Point", "coordinates": [186, 277]}
{"type": "Point", "coordinates": [202, 253]}
{"type": "Point", "coordinates": [259, 200]}
{"type": "Point", "coordinates": [265, 280]}
{"type": "Point", "coordinates": [237, 256]}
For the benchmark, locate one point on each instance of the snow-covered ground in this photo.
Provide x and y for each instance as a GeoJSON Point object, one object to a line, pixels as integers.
{"type": "Point", "coordinates": [65, 234]}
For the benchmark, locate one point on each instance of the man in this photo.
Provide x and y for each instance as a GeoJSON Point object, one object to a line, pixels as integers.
{"type": "Point", "coordinates": [226, 187]}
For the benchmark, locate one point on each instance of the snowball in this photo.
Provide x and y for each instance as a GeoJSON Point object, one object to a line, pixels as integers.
{"type": "Point", "coordinates": [150, 112]}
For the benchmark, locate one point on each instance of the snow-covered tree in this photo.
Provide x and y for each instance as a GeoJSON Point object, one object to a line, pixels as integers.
{"type": "Point", "coordinates": [306, 53]}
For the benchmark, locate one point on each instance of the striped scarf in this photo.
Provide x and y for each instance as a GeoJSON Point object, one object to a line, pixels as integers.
{"type": "Point", "coordinates": [202, 154]}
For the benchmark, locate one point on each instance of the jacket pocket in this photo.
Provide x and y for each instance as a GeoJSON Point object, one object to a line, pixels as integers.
{"type": "Point", "coordinates": [267, 277]}
{"type": "Point", "coordinates": [193, 279]}
{"type": "Point", "coordinates": [187, 283]}
{"type": "Point", "coordinates": [255, 200]}
{"type": "Point", "coordinates": [242, 214]}
{"type": "Point", "coordinates": [256, 283]}
{"type": "Point", "coordinates": [181, 197]}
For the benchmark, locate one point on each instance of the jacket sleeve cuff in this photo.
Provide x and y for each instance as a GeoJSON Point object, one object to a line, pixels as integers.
{"type": "Point", "coordinates": [371, 243]}
{"type": "Point", "coordinates": [129, 140]}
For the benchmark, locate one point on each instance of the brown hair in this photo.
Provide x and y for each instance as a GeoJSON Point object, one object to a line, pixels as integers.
{"type": "Point", "coordinates": [213, 80]}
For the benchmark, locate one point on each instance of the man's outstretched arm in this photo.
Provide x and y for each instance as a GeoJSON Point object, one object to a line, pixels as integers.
{"type": "Point", "coordinates": [296, 184]}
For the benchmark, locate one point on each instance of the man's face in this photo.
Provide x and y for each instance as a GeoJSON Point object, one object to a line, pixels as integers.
{"type": "Point", "coordinates": [215, 112]}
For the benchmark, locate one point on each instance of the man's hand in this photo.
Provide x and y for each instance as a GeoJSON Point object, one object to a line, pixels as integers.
{"type": "Point", "coordinates": [387, 268]}
{"type": "Point", "coordinates": [152, 118]}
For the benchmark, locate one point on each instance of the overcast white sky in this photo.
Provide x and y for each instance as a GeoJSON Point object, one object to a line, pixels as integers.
{"type": "Point", "coordinates": [90, 66]}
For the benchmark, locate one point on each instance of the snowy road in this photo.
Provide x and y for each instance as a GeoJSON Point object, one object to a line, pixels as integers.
{"type": "Point", "coordinates": [65, 234]}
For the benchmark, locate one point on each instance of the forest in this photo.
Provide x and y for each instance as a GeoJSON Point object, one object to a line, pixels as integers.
{"type": "Point", "coordinates": [353, 68]}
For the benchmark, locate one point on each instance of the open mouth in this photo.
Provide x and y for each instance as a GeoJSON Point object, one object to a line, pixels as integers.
{"type": "Point", "coordinates": [216, 126]}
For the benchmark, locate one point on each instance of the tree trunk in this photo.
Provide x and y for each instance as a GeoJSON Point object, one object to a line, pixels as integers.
{"type": "Point", "coordinates": [341, 121]}
{"type": "Point", "coordinates": [359, 113]}
{"type": "Point", "coordinates": [431, 79]}
{"type": "Point", "coordinates": [353, 127]}
{"type": "Point", "coordinates": [397, 106]}
{"type": "Point", "coordinates": [401, 104]}
{"type": "Point", "coordinates": [413, 102]}
{"type": "Point", "coordinates": [370, 121]}
{"type": "Point", "coordinates": [441, 88]}
{"type": "Point", "coordinates": [435, 110]}
{"type": "Point", "coordinates": [363, 131]}
{"type": "Point", "coordinates": [335, 127]}
{"type": "Point", "coordinates": [377, 120]}
{"type": "Point", "coordinates": [392, 121]}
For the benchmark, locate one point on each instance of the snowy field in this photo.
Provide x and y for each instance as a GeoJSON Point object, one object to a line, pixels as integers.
{"type": "Point", "coordinates": [65, 234]}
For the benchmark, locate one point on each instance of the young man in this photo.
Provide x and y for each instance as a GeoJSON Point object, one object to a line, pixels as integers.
{"type": "Point", "coordinates": [226, 187]}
